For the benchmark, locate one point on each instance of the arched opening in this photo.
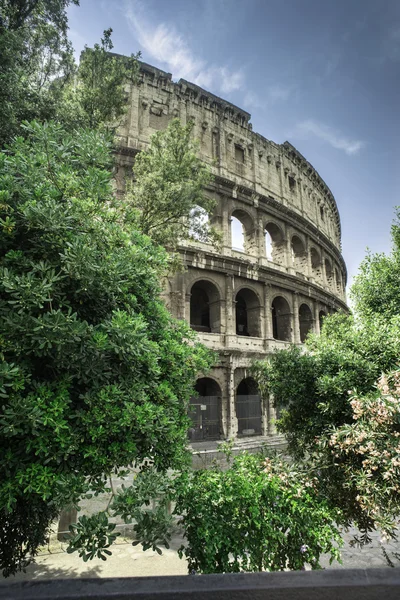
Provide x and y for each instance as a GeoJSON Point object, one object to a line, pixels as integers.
{"type": "Point", "coordinates": [242, 232]}
{"type": "Point", "coordinates": [338, 281]}
{"type": "Point", "coordinates": [248, 407]}
{"type": "Point", "coordinates": [321, 317]}
{"type": "Point", "coordinates": [305, 322]}
{"type": "Point", "coordinates": [247, 313]}
{"type": "Point", "coordinates": [274, 246]}
{"type": "Point", "coordinates": [237, 235]}
{"type": "Point", "coordinates": [281, 320]}
{"type": "Point", "coordinates": [328, 273]}
{"type": "Point", "coordinates": [205, 307]}
{"type": "Point", "coordinates": [199, 224]}
{"type": "Point", "coordinates": [299, 259]}
{"type": "Point", "coordinates": [316, 264]}
{"type": "Point", "coordinates": [204, 411]}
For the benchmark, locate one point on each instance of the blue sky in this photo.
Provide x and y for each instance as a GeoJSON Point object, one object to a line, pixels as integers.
{"type": "Point", "coordinates": [324, 75]}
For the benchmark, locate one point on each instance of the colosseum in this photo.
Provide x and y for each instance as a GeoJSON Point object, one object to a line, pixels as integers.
{"type": "Point", "coordinates": [279, 270]}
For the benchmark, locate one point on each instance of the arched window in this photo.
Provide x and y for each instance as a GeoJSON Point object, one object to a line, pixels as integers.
{"type": "Point", "coordinates": [237, 235]}
{"type": "Point", "coordinates": [281, 320]}
{"type": "Point", "coordinates": [315, 264]}
{"type": "Point", "coordinates": [204, 411]}
{"type": "Point", "coordinates": [242, 232]}
{"type": "Point", "coordinates": [338, 281]}
{"type": "Point", "coordinates": [274, 246]}
{"type": "Point", "coordinates": [328, 272]}
{"type": "Point", "coordinates": [199, 224]}
{"type": "Point", "coordinates": [299, 259]}
{"type": "Point", "coordinates": [321, 317]}
{"type": "Point", "coordinates": [305, 322]}
{"type": "Point", "coordinates": [205, 307]}
{"type": "Point", "coordinates": [248, 408]}
{"type": "Point", "coordinates": [247, 313]}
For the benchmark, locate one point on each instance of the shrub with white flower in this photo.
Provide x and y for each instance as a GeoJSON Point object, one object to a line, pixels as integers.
{"type": "Point", "coordinates": [366, 455]}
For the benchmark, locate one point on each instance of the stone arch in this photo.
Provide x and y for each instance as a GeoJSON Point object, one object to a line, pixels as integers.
{"type": "Point", "coordinates": [299, 256]}
{"type": "Point", "coordinates": [316, 264]}
{"type": "Point", "coordinates": [200, 221]}
{"type": "Point", "coordinates": [329, 272]}
{"type": "Point", "coordinates": [248, 240]}
{"type": "Point", "coordinates": [205, 411]}
{"type": "Point", "coordinates": [321, 317]}
{"type": "Point", "coordinates": [248, 408]}
{"type": "Point", "coordinates": [205, 307]}
{"type": "Point", "coordinates": [274, 243]}
{"type": "Point", "coordinates": [305, 321]}
{"type": "Point", "coordinates": [281, 319]}
{"type": "Point", "coordinates": [338, 281]}
{"type": "Point", "coordinates": [247, 313]}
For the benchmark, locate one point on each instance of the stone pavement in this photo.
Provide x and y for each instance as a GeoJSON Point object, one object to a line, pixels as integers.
{"type": "Point", "coordinates": [131, 561]}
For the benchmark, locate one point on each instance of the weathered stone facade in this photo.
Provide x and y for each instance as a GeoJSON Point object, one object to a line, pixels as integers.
{"type": "Point", "coordinates": [244, 303]}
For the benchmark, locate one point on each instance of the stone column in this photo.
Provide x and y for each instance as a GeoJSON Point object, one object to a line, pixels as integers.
{"type": "Point", "coordinates": [232, 419]}
{"type": "Point", "coordinates": [309, 265]}
{"type": "Point", "coordinates": [268, 312]}
{"type": "Point", "coordinates": [230, 330]}
{"type": "Point", "coordinates": [272, 416]}
{"type": "Point", "coordinates": [296, 324]}
{"type": "Point", "coordinates": [316, 317]}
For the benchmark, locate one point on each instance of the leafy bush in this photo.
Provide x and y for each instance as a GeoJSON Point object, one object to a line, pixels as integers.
{"type": "Point", "coordinates": [258, 515]}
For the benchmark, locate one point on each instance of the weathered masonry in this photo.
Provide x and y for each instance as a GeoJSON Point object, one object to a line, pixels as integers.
{"type": "Point", "coordinates": [280, 270]}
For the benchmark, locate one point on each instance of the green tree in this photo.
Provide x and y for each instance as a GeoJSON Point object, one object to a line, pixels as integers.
{"type": "Point", "coordinates": [96, 97]}
{"type": "Point", "coordinates": [36, 61]}
{"type": "Point", "coordinates": [376, 290]}
{"type": "Point", "coordinates": [167, 193]}
{"type": "Point", "coordinates": [316, 391]}
{"type": "Point", "coordinates": [94, 373]}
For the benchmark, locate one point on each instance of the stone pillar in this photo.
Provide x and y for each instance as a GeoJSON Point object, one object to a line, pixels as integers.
{"type": "Point", "coordinates": [268, 312]}
{"type": "Point", "coordinates": [288, 252]}
{"type": "Point", "coordinates": [309, 265]}
{"type": "Point", "coordinates": [316, 317]}
{"type": "Point", "coordinates": [230, 330]}
{"type": "Point", "coordinates": [232, 419]}
{"type": "Point", "coordinates": [296, 324]}
{"type": "Point", "coordinates": [272, 415]}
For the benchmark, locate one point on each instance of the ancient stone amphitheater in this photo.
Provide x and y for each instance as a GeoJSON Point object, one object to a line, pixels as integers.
{"type": "Point", "coordinates": [280, 269]}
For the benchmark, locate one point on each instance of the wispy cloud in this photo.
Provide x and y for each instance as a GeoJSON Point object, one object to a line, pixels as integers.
{"type": "Point", "coordinates": [163, 43]}
{"type": "Point", "coordinates": [327, 134]}
{"type": "Point", "coordinates": [274, 93]}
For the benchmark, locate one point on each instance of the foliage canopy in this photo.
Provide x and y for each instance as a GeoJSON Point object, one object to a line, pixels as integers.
{"type": "Point", "coordinates": [94, 372]}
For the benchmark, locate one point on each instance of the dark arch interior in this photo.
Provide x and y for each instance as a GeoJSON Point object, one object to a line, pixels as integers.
{"type": "Point", "coordinates": [305, 321]}
{"type": "Point", "coordinates": [205, 411]}
{"type": "Point", "coordinates": [281, 320]}
{"type": "Point", "coordinates": [247, 313]}
{"type": "Point", "coordinates": [328, 270]}
{"type": "Point", "coordinates": [315, 259]}
{"type": "Point", "coordinates": [248, 408]}
{"type": "Point", "coordinates": [297, 246]}
{"type": "Point", "coordinates": [205, 308]}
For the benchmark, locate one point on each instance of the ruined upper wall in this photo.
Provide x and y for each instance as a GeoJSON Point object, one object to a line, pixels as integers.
{"type": "Point", "coordinates": [228, 142]}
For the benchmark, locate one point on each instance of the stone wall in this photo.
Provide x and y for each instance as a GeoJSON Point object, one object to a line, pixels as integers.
{"type": "Point", "coordinates": [286, 277]}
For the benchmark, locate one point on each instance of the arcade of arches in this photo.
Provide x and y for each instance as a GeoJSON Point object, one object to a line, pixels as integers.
{"type": "Point", "coordinates": [286, 322]}
{"type": "Point", "coordinates": [205, 411]}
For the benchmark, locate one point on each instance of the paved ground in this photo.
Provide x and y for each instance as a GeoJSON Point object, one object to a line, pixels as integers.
{"type": "Point", "coordinates": [130, 561]}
